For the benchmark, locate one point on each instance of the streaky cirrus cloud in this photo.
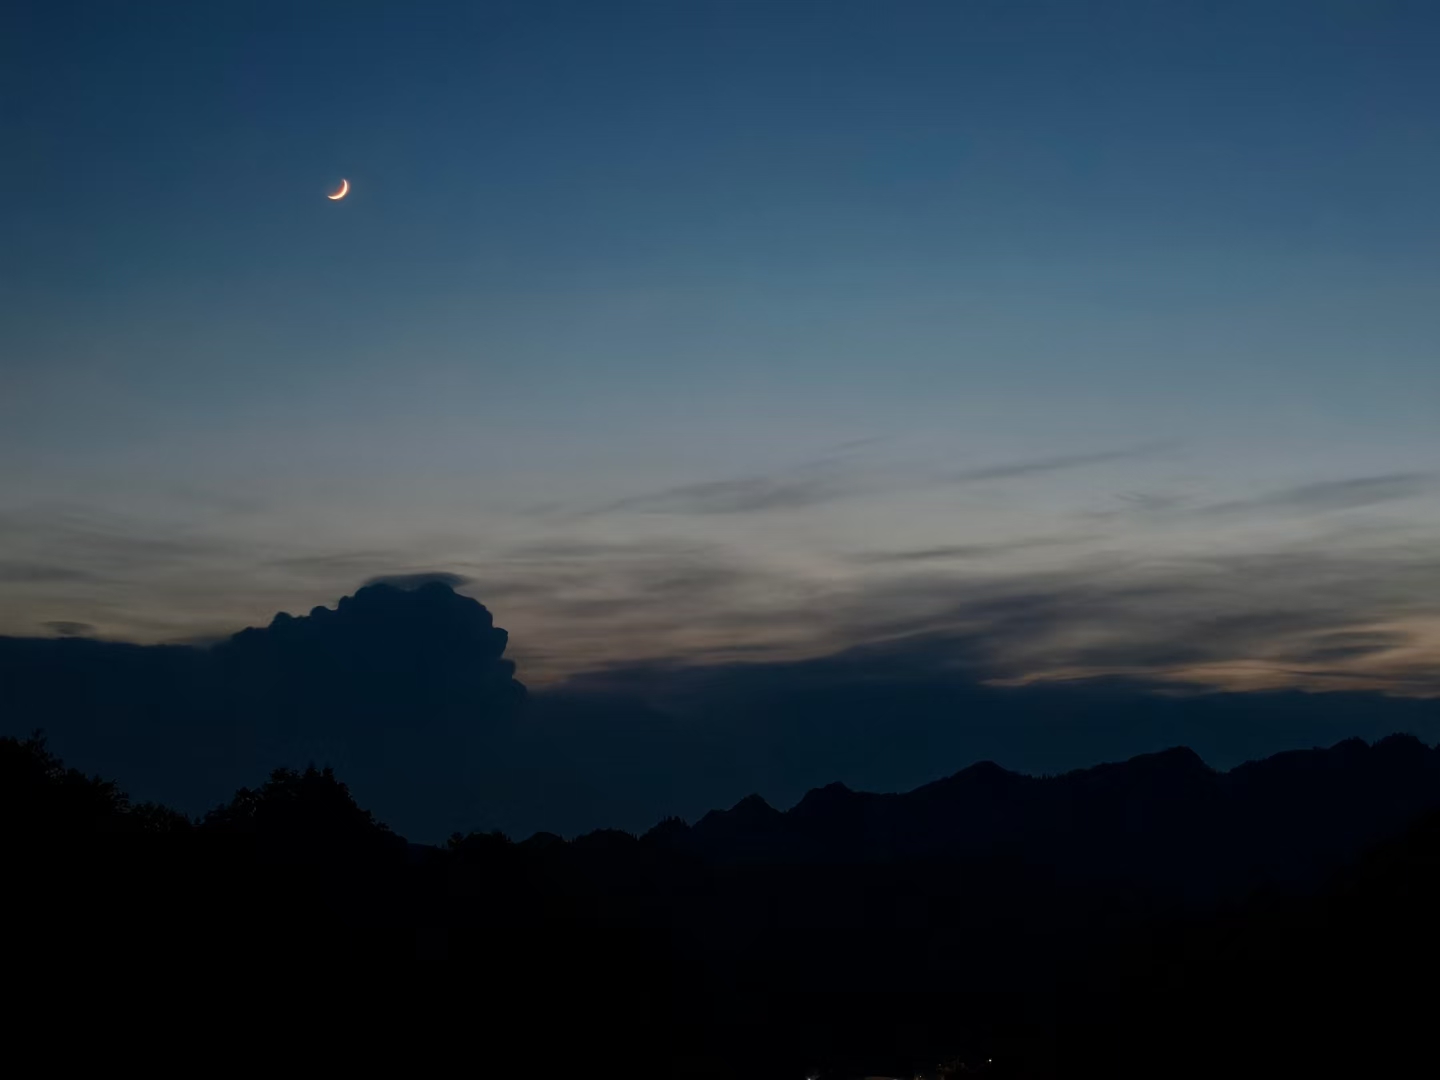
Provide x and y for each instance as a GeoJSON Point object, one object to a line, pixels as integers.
{"type": "Point", "coordinates": [69, 628]}
{"type": "Point", "coordinates": [831, 479]}
{"type": "Point", "coordinates": [1369, 616]}
{"type": "Point", "coordinates": [16, 572]}
{"type": "Point", "coordinates": [744, 495]}
{"type": "Point", "coordinates": [1242, 618]}
{"type": "Point", "coordinates": [1331, 495]}
{"type": "Point", "coordinates": [966, 551]}
{"type": "Point", "coordinates": [1013, 470]}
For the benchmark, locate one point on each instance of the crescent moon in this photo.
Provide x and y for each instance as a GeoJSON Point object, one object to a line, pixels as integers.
{"type": "Point", "coordinates": [344, 190]}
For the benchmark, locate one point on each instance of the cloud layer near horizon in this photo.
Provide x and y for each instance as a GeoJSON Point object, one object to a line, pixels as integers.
{"type": "Point", "coordinates": [406, 691]}
{"type": "Point", "coordinates": [1328, 583]}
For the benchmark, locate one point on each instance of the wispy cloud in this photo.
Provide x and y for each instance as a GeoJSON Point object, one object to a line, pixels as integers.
{"type": "Point", "coordinates": [1331, 495]}
{"type": "Point", "coordinates": [829, 479]}
{"type": "Point", "coordinates": [1149, 502]}
{"type": "Point", "coordinates": [333, 562]}
{"type": "Point", "coordinates": [103, 544]}
{"type": "Point", "coordinates": [1342, 610]}
{"type": "Point", "coordinates": [964, 551]}
{"type": "Point", "coordinates": [15, 572]}
{"type": "Point", "coordinates": [1262, 618]}
{"type": "Point", "coordinates": [1061, 463]}
{"type": "Point", "coordinates": [69, 628]}
{"type": "Point", "coordinates": [1343, 645]}
{"type": "Point", "coordinates": [746, 495]}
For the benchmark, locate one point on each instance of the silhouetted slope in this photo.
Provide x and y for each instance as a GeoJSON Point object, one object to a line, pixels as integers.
{"type": "Point", "coordinates": [43, 802]}
{"type": "Point", "coordinates": [1018, 907]}
{"type": "Point", "coordinates": [1329, 983]}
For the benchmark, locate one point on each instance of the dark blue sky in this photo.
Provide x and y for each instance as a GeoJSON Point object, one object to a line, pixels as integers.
{"type": "Point", "coordinates": [684, 326]}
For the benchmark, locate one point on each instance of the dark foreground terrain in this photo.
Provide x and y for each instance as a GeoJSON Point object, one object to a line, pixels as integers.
{"type": "Point", "coordinates": [1146, 918]}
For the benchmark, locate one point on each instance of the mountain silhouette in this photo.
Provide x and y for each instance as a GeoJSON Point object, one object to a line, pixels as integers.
{"type": "Point", "coordinates": [1152, 915]}
{"type": "Point", "coordinates": [1165, 822]}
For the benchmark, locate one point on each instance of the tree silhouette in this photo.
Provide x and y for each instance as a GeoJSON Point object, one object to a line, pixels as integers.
{"type": "Point", "coordinates": [307, 816]}
{"type": "Point", "coordinates": [40, 797]}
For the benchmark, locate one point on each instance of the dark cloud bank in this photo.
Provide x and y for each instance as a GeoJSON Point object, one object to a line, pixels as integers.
{"type": "Point", "coordinates": [404, 689]}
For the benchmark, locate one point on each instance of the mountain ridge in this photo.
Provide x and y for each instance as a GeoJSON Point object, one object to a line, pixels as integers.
{"type": "Point", "coordinates": [1194, 829]}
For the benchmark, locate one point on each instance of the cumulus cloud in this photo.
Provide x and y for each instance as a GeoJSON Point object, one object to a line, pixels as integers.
{"type": "Point", "coordinates": [403, 689]}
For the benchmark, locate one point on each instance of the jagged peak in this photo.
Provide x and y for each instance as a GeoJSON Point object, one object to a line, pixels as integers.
{"type": "Point", "coordinates": [1402, 741]}
{"type": "Point", "coordinates": [985, 769]}
{"type": "Point", "coordinates": [752, 809]}
{"type": "Point", "coordinates": [986, 773]}
{"type": "Point", "coordinates": [667, 830]}
{"type": "Point", "coordinates": [753, 804]}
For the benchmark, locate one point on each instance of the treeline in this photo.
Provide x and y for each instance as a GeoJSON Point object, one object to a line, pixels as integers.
{"type": "Point", "coordinates": [653, 951]}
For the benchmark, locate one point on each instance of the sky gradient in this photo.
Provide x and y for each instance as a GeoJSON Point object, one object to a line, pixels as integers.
{"type": "Point", "coordinates": [1102, 334]}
